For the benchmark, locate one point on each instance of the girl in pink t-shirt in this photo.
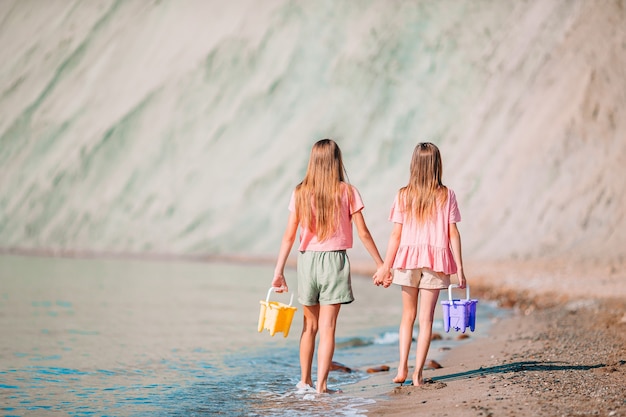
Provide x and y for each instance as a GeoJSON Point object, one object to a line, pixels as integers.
{"type": "Point", "coordinates": [323, 206]}
{"type": "Point", "coordinates": [424, 249]}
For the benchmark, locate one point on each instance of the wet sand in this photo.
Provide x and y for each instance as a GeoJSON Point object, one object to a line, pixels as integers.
{"type": "Point", "coordinates": [562, 353]}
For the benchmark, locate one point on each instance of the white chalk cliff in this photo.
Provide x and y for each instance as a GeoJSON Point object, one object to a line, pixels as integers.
{"type": "Point", "coordinates": [181, 127]}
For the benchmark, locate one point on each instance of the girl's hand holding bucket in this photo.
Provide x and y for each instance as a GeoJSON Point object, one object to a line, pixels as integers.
{"type": "Point", "coordinates": [279, 283]}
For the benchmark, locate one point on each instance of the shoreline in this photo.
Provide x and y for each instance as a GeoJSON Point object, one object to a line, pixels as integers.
{"type": "Point", "coordinates": [560, 353]}
{"type": "Point", "coordinates": [563, 352]}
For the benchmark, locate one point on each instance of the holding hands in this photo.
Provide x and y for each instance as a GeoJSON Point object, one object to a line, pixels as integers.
{"type": "Point", "coordinates": [382, 276]}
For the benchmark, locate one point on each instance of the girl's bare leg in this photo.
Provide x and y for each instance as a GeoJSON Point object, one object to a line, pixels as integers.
{"type": "Point", "coordinates": [307, 342]}
{"type": "Point", "coordinates": [427, 311]}
{"type": "Point", "coordinates": [327, 325]}
{"type": "Point", "coordinates": [409, 311]}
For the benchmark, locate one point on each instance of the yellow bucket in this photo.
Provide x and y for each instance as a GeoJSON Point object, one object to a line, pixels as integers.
{"type": "Point", "coordinates": [275, 316]}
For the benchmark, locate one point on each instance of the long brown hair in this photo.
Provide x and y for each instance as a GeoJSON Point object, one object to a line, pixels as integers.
{"type": "Point", "coordinates": [425, 191]}
{"type": "Point", "coordinates": [318, 196]}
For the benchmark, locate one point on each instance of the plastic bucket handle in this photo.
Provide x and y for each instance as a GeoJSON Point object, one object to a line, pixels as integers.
{"type": "Point", "coordinates": [467, 291]}
{"type": "Point", "coordinates": [267, 299]}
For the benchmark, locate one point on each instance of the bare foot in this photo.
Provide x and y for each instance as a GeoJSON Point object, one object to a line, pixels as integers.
{"type": "Point", "coordinates": [331, 391]}
{"type": "Point", "coordinates": [401, 376]}
{"type": "Point", "coordinates": [325, 390]}
{"type": "Point", "coordinates": [418, 381]}
{"type": "Point", "coordinates": [304, 387]}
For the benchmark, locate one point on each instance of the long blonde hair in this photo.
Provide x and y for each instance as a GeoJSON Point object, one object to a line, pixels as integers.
{"type": "Point", "coordinates": [425, 191]}
{"type": "Point", "coordinates": [318, 196]}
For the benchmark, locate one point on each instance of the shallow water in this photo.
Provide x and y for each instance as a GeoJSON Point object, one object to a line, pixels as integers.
{"type": "Point", "coordinates": [117, 337]}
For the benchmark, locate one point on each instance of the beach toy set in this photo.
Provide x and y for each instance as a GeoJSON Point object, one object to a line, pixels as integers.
{"type": "Point", "coordinates": [459, 314]}
{"type": "Point", "coordinates": [276, 316]}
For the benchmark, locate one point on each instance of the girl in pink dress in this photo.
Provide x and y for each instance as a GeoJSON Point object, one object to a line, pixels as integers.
{"type": "Point", "coordinates": [324, 206]}
{"type": "Point", "coordinates": [424, 249]}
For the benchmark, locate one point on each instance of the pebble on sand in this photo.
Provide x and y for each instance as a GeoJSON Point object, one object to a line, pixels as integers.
{"type": "Point", "coordinates": [432, 364]}
{"type": "Point", "coordinates": [381, 368]}
{"type": "Point", "coordinates": [336, 366]}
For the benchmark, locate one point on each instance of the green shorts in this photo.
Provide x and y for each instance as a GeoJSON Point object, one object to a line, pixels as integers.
{"type": "Point", "coordinates": [324, 278]}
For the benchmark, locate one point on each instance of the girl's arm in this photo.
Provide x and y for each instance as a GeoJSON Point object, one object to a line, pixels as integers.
{"type": "Point", "coordinates": [390, 256]}
{"type": "Point", "coordinates": [289, 237]}
{"type": "Point", "coordinates": [455, 242]}
{"type": "Point", "coordinates": [366, 237]}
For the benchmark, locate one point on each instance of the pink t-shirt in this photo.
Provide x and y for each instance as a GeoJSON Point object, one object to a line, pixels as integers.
{"type": "Point", "coordinates": [342, 238]}
{"type": "Point", "coordinates": [426, 245]}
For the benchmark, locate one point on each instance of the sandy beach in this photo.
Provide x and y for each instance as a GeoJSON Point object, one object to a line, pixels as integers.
{"type": "Point", "coordinates": [176, 131]}
{"type": "Point", "coordinates": [563, 352]}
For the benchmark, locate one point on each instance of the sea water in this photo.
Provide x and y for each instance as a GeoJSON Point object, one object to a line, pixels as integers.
{"type": "Point", "coordinates": [94, 337]}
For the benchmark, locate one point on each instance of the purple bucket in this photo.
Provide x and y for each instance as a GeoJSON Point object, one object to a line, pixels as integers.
{"type": "Point", "coordinates": [459, 314]}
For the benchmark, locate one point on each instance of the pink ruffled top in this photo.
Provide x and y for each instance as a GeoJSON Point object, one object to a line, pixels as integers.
{"type": "Point", "coordinates": [426, 245]}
